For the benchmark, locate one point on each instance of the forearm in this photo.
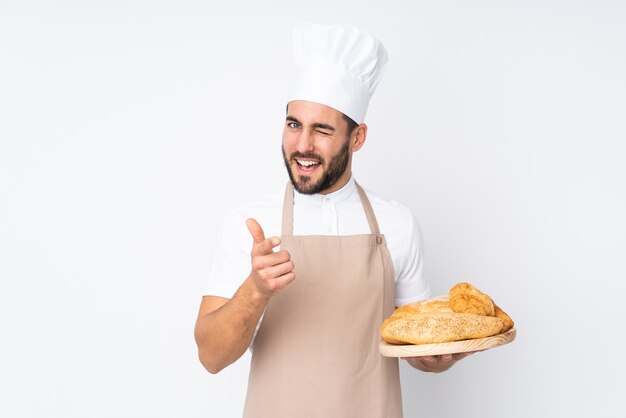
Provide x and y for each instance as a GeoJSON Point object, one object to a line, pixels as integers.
{"type": "Point", "coordinates": [224, 330]}
{"type": "Point", "coordinates": [224, 335]}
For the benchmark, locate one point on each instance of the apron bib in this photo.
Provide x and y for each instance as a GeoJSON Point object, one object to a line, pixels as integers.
{"type": "Point", "coordinates": [316, 352]}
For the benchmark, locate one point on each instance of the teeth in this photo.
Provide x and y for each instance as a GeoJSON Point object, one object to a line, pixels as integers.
{"type": "Point", "coordinates": [307, 163]}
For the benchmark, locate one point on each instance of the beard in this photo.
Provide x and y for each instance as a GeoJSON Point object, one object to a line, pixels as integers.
{"type": "Point", "coordinates": [336, 167]}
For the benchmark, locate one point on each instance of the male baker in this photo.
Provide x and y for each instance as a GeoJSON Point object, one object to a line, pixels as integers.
{"type": "Point", "coordinates": [312, 310]}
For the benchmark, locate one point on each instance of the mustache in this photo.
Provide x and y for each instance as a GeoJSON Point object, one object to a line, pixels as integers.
{"type": "Point", "coordinates": [308, 155]}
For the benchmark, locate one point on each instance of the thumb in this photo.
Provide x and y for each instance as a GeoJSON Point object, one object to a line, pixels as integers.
{"type": "Point", "coordinates": [255, 230]}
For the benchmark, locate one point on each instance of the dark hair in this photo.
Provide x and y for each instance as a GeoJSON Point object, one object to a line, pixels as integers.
{"type": "Point", "coordinates": [352, 125]}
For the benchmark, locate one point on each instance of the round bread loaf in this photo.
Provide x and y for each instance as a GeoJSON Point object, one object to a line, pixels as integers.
{"type": "Point", "coordinates": [465, 298]}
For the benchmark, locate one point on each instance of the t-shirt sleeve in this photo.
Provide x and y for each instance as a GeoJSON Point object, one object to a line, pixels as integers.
{"type": "Point", "coordinates": [411, 285]}
{"type": "Point", "coordinates": [230, 259]}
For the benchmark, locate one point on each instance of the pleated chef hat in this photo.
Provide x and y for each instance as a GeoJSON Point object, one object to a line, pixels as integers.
{"type": "Point", "coordinates": [337, 66]}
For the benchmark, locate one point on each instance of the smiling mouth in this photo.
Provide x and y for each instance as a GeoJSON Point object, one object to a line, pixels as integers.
{"type": "Point", "coordinates": [307, 163]}
{"type": "Point", "coordinates": [306, 167]}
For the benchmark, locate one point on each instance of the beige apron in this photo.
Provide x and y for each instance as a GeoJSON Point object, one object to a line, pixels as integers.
{"type": "Point", "coordinates": [316, 352]}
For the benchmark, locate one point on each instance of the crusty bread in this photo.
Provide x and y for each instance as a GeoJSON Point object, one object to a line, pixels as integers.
{"type": "Point", "coordinates": [412, 309]}
{"type": "Point", "coordinates": [439, 327]}
{"type": "Point", "coordinates": [467, 299]}
{"type": "Point", "coordinates": [507, 322]}
{"type": "Point", "coordinates": [468, 313]}
{"type": "Point", "coordinates": [424, 306]}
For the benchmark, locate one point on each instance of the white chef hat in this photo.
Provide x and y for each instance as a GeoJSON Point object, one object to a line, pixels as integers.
{"type": "Point", "coordinates": [337, 66]}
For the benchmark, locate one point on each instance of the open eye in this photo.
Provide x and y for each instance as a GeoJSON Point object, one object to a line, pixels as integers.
{"type": "Point", "coordinates": [293, 125]}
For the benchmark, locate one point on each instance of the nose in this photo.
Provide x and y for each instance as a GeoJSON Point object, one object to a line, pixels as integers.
{"type": "Point", "coordinates": [304, 141]}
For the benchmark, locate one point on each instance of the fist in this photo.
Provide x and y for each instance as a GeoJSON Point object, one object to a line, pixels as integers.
{"type": "Point", "coordinates": [271, 271]}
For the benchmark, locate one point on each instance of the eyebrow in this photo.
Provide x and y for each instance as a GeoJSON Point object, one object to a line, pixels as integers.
{"type": "Point", "coordinates": [315, 125]}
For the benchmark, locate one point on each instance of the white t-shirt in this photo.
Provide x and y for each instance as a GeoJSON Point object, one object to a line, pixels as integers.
{"type": "Point", "coordinates": [337, 213]}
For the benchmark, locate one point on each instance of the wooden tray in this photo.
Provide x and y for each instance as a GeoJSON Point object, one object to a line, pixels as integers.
{"type": "Point", "coordinates": [465, 346]}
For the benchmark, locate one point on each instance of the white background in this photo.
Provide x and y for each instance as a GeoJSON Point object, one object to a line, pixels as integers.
{"type": "Point", "coordinates": [128, 127]}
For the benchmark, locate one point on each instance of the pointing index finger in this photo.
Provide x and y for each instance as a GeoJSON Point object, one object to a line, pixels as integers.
{"type": "Point", "coordinates": [255, 230]}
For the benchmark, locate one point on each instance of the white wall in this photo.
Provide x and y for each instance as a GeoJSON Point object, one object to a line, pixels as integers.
{"type": "Point", "coordinates": [128, 127]}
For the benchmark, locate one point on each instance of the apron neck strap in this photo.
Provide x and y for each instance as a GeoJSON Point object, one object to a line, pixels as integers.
{"type": "Point", "coordinates": [369, 212]}
{"type": "Point", "coordinates": [287, 227]}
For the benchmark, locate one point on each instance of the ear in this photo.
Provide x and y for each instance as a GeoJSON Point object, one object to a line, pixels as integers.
{"type": "Point", "coordinates": [358, 137]}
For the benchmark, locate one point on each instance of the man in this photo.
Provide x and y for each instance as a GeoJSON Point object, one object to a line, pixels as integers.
{"type": "Point", "coordinates": [312, 310]}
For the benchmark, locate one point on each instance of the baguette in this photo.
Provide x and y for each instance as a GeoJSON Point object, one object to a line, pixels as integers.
{"type": "Point", "coordinates": [439, 327]}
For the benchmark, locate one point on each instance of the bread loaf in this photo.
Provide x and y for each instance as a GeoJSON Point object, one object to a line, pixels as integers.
{"type": "Point", "coordinates": [412, 309]}
{"type": "Point", "coordinates": [468, 313]}
{"type": "Point", "coordinates": [467, 299]}
{"type": "Point", "coordinates": [439, 327]}
{"type": "Point", "coordinates": [507, 322]}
